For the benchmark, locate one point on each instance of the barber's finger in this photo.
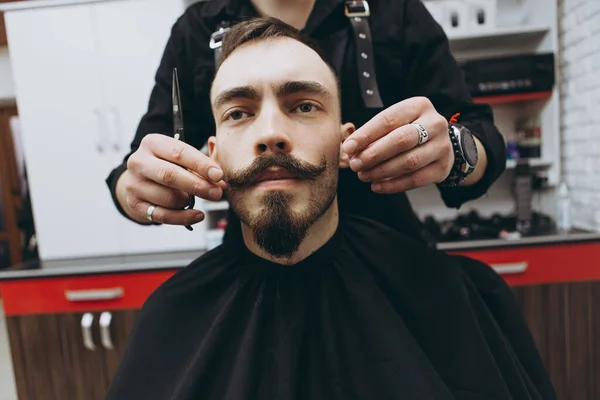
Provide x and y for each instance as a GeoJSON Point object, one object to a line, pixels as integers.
{"type": "Point", "coordinates": [402, 164]}
{"type": "Point", "coordinates": [159, 195]}
{"type": "Point", "coordinates": [162, 215]}
{"type": "Point", "coordinates": [396, 142]}
{"type": "Point", "coordinates": [386, 121]}
{"type": "Point", "coordinates": [176, 177]}
{"type": "Point", "coordinates": [186, 156]}
{"type": "Point", "coordinates": [423, 177]}
{"type": "Point", "coordinates": [222, 184]}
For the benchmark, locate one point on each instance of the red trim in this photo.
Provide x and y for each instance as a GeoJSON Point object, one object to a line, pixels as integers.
{"type": "Point", "coordinates": [545, 264]}
{"type": "Point", "coordinates": [512, 98]}
{"type": "Point", "coordinates": [47, 295]}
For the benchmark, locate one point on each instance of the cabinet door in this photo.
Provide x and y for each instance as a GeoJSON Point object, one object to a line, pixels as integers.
{"type": "Point", "coordinates": [119, 327]}
{"type": "Point", "coordinates": [564, 320]}
{"type": "Point", "coordinates": [50, 360]}
{"type": "Point", "coordinates": [130, 50]}
{"type": "Point", "coordinates": [65, 143]}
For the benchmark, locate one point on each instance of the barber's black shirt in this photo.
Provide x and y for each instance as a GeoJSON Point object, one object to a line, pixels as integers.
{"type": "Point", "coordinates": [412, 58]}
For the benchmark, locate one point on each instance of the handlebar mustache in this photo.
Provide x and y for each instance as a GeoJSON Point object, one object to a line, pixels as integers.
{"type": "Point", "coordinates": [300, 169]}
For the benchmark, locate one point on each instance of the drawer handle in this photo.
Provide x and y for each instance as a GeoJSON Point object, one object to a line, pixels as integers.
{"type": "Point", "coordinates": [94, 294]}
{"type": "Point", "coordinates": [86, 331]}
{"type": "Point", "coordinates": [105, 338]}
{"type": "Point", "coordinates": [510, 269]}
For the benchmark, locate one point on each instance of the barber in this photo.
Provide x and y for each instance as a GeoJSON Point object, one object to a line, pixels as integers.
{"type": "Point", "coordinates": [401, 86]}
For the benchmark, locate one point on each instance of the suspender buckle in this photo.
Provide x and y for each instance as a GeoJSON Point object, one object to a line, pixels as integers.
{"type": "Point", "coordinates": [357, 9]}
{"type": "Point", "coordinates": [216, 39]}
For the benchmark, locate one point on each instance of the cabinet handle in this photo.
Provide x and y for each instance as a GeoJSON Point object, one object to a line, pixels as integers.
{"type": "Point", "coordinates": [105, 338]}
{"type": "Point", "coordinates": [510, 268]}
{"type": "Point", "coordinates": [118, 128]}
{"type": "Point", "coordinates": [86, 331]}
{"type": "Point", "coordinates": [95, 294]}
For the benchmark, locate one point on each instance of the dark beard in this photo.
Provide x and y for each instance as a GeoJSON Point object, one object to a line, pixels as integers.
{"type": "Point", "coordinates": [278, 233]}
{"type": "Point", "coordinates": [278, 230]}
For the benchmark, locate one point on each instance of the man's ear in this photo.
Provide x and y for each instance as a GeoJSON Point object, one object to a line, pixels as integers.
{"type": "Point", "coordinates": [347, 129]}
{"type": "Point", "coordinates": [212, 147]}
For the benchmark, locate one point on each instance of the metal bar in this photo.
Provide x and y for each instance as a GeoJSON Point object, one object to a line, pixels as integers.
{"type": "Point", "coordinates": [510, 269]}
{"type": "Point", "coordinates": [94, 294]}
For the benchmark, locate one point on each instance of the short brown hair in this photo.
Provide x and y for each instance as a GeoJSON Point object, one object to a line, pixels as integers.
{"type": "Point", "coordinates": [262, 28]}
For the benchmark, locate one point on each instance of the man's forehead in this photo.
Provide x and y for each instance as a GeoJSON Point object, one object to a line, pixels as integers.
{"type": "Point", "coordinates": [268, 64]}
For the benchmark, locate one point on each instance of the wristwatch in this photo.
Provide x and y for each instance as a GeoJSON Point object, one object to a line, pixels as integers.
{"type": "Point", "coordinates": [465, 155]}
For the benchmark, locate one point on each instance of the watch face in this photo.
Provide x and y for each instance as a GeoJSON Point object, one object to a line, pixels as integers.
{"type": "Point", "coordinates": [469, 147]}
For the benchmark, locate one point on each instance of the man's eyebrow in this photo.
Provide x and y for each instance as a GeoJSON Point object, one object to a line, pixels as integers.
{"type": "Point", "coordinates": [308, 87]}
{"type": "Point", "coordinates": [240, 92]}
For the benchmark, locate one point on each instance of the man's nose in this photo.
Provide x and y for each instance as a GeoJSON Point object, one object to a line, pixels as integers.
{"type": "Point", "coordinates": [273, 134]}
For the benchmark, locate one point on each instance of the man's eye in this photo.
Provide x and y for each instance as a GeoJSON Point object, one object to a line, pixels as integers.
{"type": "Point", "coordinates": [306, 107]}
{"type": "Point", "coordinates": [236, 115]}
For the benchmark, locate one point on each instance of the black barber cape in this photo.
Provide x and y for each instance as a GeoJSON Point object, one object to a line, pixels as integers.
{"type": "Point", "coordinates": [371, 315]}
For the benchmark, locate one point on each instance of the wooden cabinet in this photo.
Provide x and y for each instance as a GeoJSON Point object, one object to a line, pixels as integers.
{"type": "Point", "coordinates": [564, 320]}
{"type": "Point", "coordinates": [558, 289]}
{"type": "Point", "coordinates": [52, 361]}
{"type": "Point", "coordinates": [67, 334]}
{"type": "Point", "coordinates": [83, 78]}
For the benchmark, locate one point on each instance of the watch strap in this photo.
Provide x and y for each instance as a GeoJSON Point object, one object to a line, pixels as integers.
{"type": "Point", "coordinates": [460, 170]}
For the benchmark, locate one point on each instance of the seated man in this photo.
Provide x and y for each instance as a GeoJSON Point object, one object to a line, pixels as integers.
{"type": "Point", "coordinates": [309, 303]}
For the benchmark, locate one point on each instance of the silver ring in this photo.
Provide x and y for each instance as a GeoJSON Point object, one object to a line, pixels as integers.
{"type": "Point", "coordinates": [149, 213]}
{"type": "Point", "coordinates": [423, 135]}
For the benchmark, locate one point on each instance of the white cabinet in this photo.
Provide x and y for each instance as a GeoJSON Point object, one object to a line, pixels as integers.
{"type": "Point", "coordinates": [66, 148]}
{"type": "Point", "coordinates": [83, 75]}
{"type": "Point", "coordinates": [131, 48]}
{"type": "Point", "coordinates": [130, 37]}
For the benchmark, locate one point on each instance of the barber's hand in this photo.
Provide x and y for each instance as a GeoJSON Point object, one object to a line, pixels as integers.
{"type": "Point", "coordinates": [161, 173]}
{"type": "Point", "coordinates": [385, 150]}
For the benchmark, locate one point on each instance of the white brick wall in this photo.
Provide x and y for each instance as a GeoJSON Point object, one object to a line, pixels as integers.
{"type": "Point", "coordinates": [579, 74]}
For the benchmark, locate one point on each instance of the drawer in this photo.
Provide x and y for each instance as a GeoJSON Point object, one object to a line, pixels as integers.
{"type": "Point", "coordinates": [80, 293]}
{"type": "Point", "coordinates": [543, 264]}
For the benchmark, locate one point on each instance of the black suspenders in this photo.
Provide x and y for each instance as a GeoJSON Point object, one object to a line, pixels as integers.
{"type": "Point", "coordinates": [357, 13]}
{"type": "Point", "coordinates": [216, 40]}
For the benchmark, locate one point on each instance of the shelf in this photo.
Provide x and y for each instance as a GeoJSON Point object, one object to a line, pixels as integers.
{"type": "Point", "coordinates": [500, 37]}
{"type": "Point", "coordinates": [534, 162]}
{"type": "Point", "coordinates": [513, 32]}
{"type": "Point", "coordinates": [513, 98]}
